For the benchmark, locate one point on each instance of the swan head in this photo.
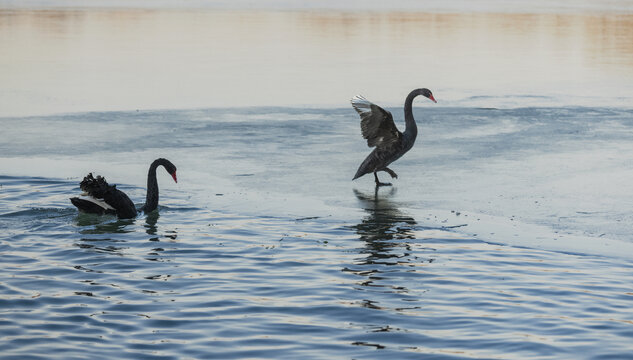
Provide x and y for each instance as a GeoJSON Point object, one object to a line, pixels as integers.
{"type": "Point", "coordinates": [171, 168]}
{"type": "Point", "coordinates": [427, 93]}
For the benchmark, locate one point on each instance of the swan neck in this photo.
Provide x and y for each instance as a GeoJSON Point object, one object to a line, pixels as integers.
{"type": "Point", "coordinates": [151, 200]}
{"type": "Point", "coordinates": [411, 128]}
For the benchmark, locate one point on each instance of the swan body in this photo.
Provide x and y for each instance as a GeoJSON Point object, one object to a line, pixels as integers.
{"type": "Point", "coordinates": [99, 197]}
{"type": "Point", "coordinates": [378, 128]}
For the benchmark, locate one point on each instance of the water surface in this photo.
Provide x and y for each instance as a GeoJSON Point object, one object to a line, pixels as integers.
{"type": "Point", "coordinates": [198, 283]}
{"type": "Point", "coordinates": [266, 249]}
{"type": "Point", "coordinates": [68, 60]}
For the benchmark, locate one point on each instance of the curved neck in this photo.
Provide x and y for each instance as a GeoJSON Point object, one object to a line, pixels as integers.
{"type": "Point", "coordinates": [411, 129]}
{"type": "Point", "coordinates": [151, 200]}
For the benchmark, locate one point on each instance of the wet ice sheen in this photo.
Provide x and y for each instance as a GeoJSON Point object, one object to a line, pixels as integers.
{"type": "Point", "coordinates": [295, 260]}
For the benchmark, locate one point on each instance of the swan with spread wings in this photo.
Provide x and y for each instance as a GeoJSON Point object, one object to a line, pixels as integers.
{"type": "Point", "coordinates": [378, 128]}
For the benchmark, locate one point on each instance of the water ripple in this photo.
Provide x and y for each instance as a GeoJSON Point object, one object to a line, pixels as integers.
{"type": "Point", "coordinates": [169, 285]}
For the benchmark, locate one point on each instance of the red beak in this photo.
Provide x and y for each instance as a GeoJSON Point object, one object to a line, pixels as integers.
{"type": "Point", "coordinates": [174, 176]}
{"type": "Point", "coordinates": [432, 98]}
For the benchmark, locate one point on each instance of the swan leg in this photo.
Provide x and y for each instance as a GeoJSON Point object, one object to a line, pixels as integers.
{"type": "Point", "coordinates": [391, 172]}
{"type": "Point", "coordinates": [378, 183]}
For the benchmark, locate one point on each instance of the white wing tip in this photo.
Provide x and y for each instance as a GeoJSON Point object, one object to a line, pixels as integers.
{"type": "Point", "coordinates": [99, 202]}
{"type": "Point", "coordinates": [360, 104]}
{"type": "Point", "coordinates": [358, 98]}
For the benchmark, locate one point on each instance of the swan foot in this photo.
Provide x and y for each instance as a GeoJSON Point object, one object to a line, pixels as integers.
{"type": "Point", "coordinates": [391, 172]}
{"type": "Point", "coordinates": [378, 183]}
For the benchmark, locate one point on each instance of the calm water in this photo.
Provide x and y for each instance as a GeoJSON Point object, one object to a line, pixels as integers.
{"type": "Point", "coordinates": [506, 236]}
{"type": "Point", "coordinates": [58, 61]}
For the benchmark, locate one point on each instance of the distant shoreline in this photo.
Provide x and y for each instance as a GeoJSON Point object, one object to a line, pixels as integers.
{"type": "Point", "coordinates": [616, 7]}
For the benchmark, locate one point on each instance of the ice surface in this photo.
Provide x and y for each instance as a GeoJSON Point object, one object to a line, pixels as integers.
{"type": "Point", "coordinates": [555, 178]}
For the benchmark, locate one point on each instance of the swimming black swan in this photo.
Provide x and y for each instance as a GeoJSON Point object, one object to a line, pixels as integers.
{"type": "Point", "coordinates": [100, 198]}
{"type": "Point", "coordinates": [378, 128]}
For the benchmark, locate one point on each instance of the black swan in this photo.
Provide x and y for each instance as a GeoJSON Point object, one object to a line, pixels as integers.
{"type": "Point", "coordinates": [378, 128]}
{"type": "Point", "coordinates": [100, 198]}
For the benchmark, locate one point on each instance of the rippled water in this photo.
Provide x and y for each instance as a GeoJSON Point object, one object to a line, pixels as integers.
{"type": "Point", "coordinates": [258, 254]}
{"type": "Point", "coordinates": [195, 283]}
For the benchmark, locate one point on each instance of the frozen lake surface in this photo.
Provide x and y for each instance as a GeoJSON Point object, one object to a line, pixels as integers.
{"type": "Point", "coordinates": [561, 172]}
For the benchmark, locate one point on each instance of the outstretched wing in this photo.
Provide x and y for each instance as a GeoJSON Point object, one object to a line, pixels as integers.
{"type": "Point", "coordinates": [376, 123]}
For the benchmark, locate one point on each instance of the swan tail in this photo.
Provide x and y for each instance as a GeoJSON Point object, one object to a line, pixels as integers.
{"type": "Point", "coordinates": [100, 197]}
{"type": "Point", "coordinates": [96, 187]}
{"type": "Point", "coordinates": [364, 168]}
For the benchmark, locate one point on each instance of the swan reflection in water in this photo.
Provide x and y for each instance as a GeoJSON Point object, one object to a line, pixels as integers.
{"type": "Point", "coordinates": [100, 233]}
{"type": "Point", "coordinates": [92, 224]}
{"type": "Point", "coordinates": [150, 224]}
{"type": "Point", "coordinates": [386, 233]}
{"type": "Point", "coordinates": [151, 229]}
{"type": "Point", "coordinates": [384, 224]}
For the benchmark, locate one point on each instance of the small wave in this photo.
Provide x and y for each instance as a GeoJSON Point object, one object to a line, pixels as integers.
{"type": "Point", "coordinates": [39, 212]}
{"type": "Point", "coordinates": [29, 180]}
{"type": "Point", "coordinates": [178, 208]}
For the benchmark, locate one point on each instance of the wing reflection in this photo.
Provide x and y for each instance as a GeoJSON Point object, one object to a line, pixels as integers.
{"type": "Point", "coordinates": [383, 224]}
{"type": "Point", "coordinates": [385, 232]}
{"type": "Point", "coordinates": [100, 234]}
{"type": "Point", "coordinates": [103, 224]}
